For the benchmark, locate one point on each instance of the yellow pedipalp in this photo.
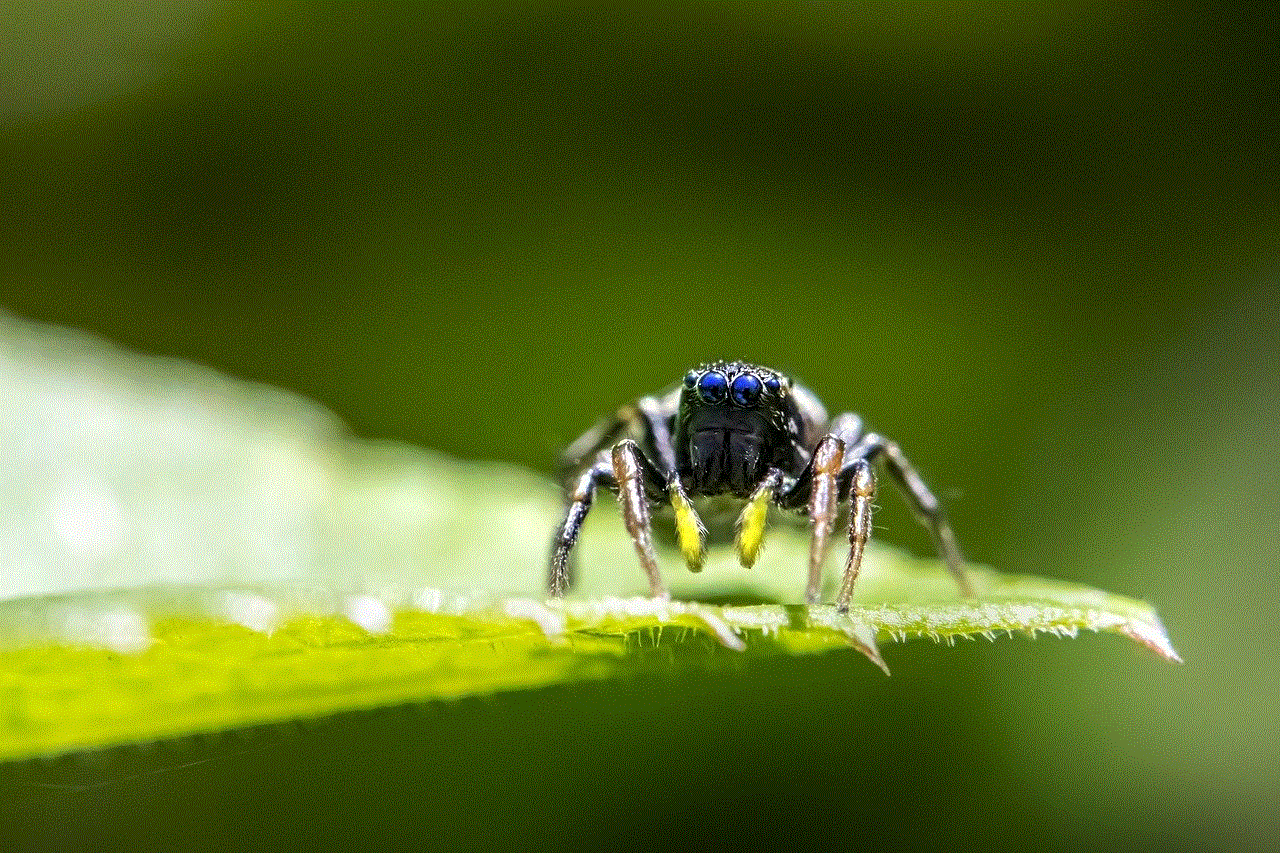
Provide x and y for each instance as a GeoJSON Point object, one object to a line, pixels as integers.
{"type": "Point", "coordinates": [751, 526]}
{"type": "Point", "coordinates": [689, 529]}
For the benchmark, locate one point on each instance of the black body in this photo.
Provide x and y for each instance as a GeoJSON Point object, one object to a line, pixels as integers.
{"type": "Point", "coordinates": [725, 447]}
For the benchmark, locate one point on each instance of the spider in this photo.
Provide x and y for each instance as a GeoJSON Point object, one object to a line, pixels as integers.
{"type": "Point", "coordinates": [748, 433]}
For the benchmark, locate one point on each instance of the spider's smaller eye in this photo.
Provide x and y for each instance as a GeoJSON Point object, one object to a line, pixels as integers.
{"type": "Point", "coordinates": [713, 387]}
{"type": "Point", "coordinates": [772, 385]}
{"type": "Point", "coordinates": [691, 379]}
{"type": "Point", "coordinates": [746, 389]}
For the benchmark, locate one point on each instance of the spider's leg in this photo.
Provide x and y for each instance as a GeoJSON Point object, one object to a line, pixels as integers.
{"type": "Point", "coordinates": [824, 503]}
{"type": "Point", "coordinates": [560, 577]}
{"type": "Point", "coordinates": [690, 532]}
{"type": "Point", "coordinates": [925, 506]}
{"type": "Point", "coordinates": [754, 515]}
{"type": "Point", "coordinates": [858, 481]}
{"type": "Point", "coordinates": [587, 449]}
{"type": "Point", "coordinates": [862, 490]}
{"type": "Point", "coordinates": [817, 488]}
{"type": "Point", "coordinates": [648, 421]}
{"type": "Point", "coordinates": [645, 421]}
{"type": "Point", "coordinates": [639, 480]}
{"type": "Point", "coordinates": [849, 428]}
{"type": "Point", "coordinates": [655, 416]}
{"type": "Point", "coordinates": [794, 491]}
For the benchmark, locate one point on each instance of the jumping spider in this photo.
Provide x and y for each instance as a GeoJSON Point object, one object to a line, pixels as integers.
{"type": "Point", "coordinates": [751, 433]}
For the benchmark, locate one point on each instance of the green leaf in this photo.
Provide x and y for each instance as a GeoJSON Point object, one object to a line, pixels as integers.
{"type": "Point", "coordinates": [189, 554]}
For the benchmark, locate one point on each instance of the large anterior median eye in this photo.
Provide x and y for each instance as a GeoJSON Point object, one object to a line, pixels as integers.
{"type": "Point", "coordinates": [713, 387]}
{"type": "Point", "coordinates": [746, 389]}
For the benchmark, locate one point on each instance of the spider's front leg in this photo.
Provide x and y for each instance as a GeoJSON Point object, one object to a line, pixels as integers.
{"type": "Point", "coordinates": [638, 481]}
{"type": "Point", "coordinates": [817, 488]}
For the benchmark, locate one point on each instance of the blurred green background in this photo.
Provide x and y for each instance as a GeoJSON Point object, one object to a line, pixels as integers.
{"type": "Point", "coordinates": [1038, 244]}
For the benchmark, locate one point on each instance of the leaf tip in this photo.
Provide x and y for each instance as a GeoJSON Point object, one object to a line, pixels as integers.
{"type": "Point", "coordinates": [1152, 634]}
{"type": "Point", "coordinates": [872, 653]}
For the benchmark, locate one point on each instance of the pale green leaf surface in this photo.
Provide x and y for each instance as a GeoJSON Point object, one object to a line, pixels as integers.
{"type": "Point", "coordinates": [185, 553]}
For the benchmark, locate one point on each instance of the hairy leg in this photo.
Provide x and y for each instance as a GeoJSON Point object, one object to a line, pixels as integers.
{"type": "Point", "coordinates": [560, 577]}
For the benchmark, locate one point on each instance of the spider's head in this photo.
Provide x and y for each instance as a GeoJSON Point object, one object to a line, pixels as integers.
{"type": "Point", "coordinates": [732, 424]}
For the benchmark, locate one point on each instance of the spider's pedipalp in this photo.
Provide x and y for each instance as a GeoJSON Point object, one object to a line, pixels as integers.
{"type": "Point", "coordinates": [690, 533]}
{"type": "Point", "coordinates": [751, 522]}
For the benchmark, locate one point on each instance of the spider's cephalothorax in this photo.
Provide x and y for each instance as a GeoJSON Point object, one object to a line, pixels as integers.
{"type": "Point", "coordinates": [734, 423]}
{"type": "Point", "coordinates": [749, 432]}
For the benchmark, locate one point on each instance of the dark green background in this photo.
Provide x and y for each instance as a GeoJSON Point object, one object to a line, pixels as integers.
{"type": "Point", "coordinates": [1037, 244]}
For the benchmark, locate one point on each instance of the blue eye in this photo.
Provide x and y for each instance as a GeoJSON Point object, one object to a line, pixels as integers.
{"type": "Point", "coordinates": [746, 390]}
{"type": "Point", "coordinates": [773, 385]}
{"type": "Point", "coordinates": [713, 387]}
{"type": "Point", "coordinates": [691, 379]}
